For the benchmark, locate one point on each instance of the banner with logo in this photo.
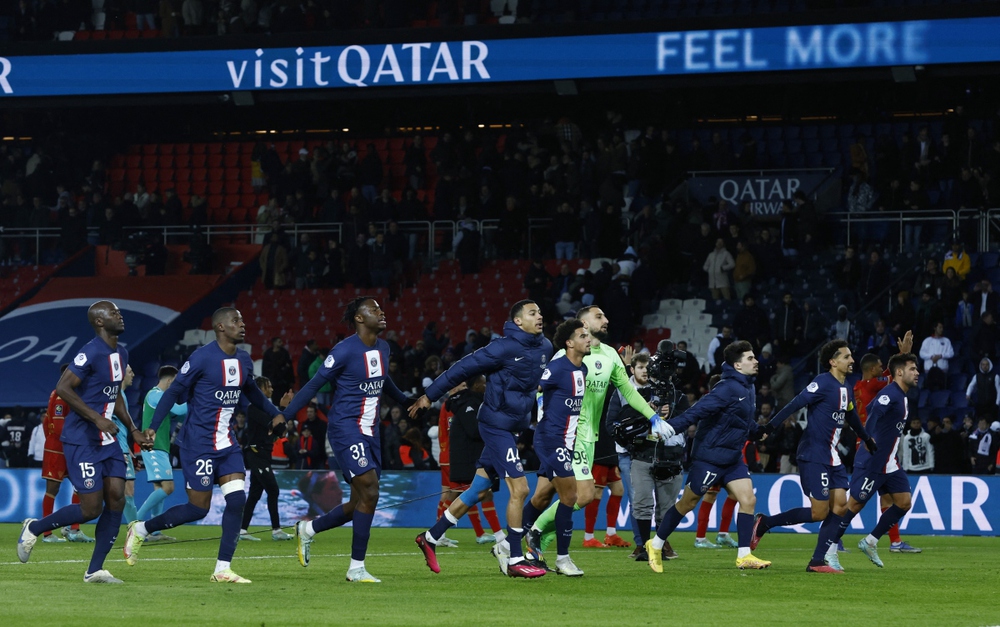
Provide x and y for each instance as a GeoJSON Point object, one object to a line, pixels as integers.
{"type": "Point", "coordinates": [942, 504]}
{"type": "Point", "coordinates": [764, 190]}
{"type": "Point", "coordinates": [799, 47]}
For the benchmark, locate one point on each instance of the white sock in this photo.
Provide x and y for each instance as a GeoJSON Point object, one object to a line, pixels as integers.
{"type": "Point", "coordinates": [657, 543]}
{"type": "Point", "coordinates": [308, 531]}
{"type": "Point", "coordinates": [832, 549]}
{"type": "Point", "coordinates": [723, 534]}
{"type": "Point", "coordinates": [588, 536]}
{"type": "Point", "coordinates": [742, 552]}
{"type": "Point", "coordinates": [429, 537]}
{"type": "Point", "coordinates": [356, 564]}
{"type": "Point", "coordinates": [561, 558]}
{"type": "Point", "coordinates": [698, 539]}
{"type": "Point", "coordinates": [451, 517]}
{"type": "Point", "coordinates": [140, 530]}
{"type": "Point", "coordinates": [612, 531]}
{"type": "Point", "coordinates": [515, 560]}
{"type": "Point", "coordinates": [500, 535]}
{"type": "Point", "coordinates": [221, 566]}
{"type": "Point", "coordinates": [245, 532]}
{"type": "Point", "coordinates": [872, 540]}
{"type": "Point", "coordinates": [505, 545]}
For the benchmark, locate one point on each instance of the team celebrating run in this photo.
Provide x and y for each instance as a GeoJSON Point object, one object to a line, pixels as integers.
{"type": "Point", "coordinates": [567, 379]}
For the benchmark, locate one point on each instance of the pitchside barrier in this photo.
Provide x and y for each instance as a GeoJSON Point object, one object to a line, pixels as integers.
{"type": "Point", "coordinates": [942, 504]}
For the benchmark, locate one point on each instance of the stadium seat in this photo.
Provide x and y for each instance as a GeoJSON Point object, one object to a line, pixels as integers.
{"type": "Point", "coordinates": [193, 337]}
{"type": "Point", "coordinates": [695, 305]}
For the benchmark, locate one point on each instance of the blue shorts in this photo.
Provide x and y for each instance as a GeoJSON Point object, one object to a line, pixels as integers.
{"type": "Point", "coordinates": [357, 454]}
{"type": "Point", "coordinates": [555, 460]}
{"type": "Point", "coordinates": [157, 466]}
{"type": "Point", "coordinates": [704, 475]}
{"type": "Point", "coordinates": [88, 464]}
{"type": "Point", "coordinates": [201, 472]}
{"type": "Point", "coordinates": [818, 479]}
{"type": "Point", "coordinates": [866, 484]}
{"type": "Point", "coordinates": [500, 457]}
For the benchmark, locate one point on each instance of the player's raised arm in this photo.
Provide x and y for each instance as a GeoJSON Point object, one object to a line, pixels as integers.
{"type": "Point", "coordinates": [619, 377]}
{"type": "Point", "coordinates": [485, 360]}
{"type": "Point", "coordinates": [803, 399]}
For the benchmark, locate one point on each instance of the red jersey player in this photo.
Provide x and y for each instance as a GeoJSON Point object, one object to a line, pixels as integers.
{"type": "Point", "coordinates": [874, 377]}
{"type": "Point", "coordinates": [54, 466]}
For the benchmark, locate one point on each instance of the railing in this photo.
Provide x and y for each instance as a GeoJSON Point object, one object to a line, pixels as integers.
{"type": "Point", "coordinates": [897, 219]}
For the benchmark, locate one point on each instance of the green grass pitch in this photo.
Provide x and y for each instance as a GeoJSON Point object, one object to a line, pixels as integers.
{"type": "Point", "coordinates": [953, 582]}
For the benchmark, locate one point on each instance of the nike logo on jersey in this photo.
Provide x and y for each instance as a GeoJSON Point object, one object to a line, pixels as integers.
{"type": "Point", "coordinates": [518, 358]}
{"type": "Point", "coordinates": [743, 398]}
{"type": "Point", "coordinates": [468, 409]}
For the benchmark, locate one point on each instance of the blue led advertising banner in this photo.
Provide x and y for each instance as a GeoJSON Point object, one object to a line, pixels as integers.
{"type": "Point", "coordinates": [808, 47]}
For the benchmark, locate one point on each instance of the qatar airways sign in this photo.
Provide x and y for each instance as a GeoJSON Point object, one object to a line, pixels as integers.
{"type": "Point", "coordinates": [763, 190]}
{"type": "Point", "coordinates": [784, 48]}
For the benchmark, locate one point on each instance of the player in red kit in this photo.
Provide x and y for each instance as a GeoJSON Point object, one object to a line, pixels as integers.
{"type": "Point", "coordinates": [873, 378]}
{"type": "Point", "coordinates": [54, 466]}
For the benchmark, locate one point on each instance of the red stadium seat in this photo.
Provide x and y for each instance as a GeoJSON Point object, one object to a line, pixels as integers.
{"type": "Point", "coordinates": [246, 148]}
{"type": "Point", "coordinates": [132, 34]}
{"type": "Point", "coordinates": [182, 161]}
{"type": "Point", "coordinates": [199, 187]}
{"type": "Point", "coordinates": [198, 149]}
{"type": "Point", "coordinates": [81, 35]}
{"type": "Point", "coordinates": [150, 149]}
{"type": "Point", "coordinates": [133, 174]}
{"type": "Point", "coordinates": [199, 174]}
{"type": "Point", "coordinates": [149, 161]}
{"type": "Point", "coordinates": [232, 174]}
{"type": "Point", "coordinates": [215, 174]}
{"type": "Point", "coordinates": [133, 161]}
{"type": "Point", "coordinates": [166, 175]}
{"type": "Point", "coordinates": [166, 161]}
{"type": "Point", "coordinates": [183, 188]}
{"type": "Point", "coordinates": [150, 34]}
{"type": "Point", "coordinates": [214, 148]}
{"type": "Point", "coordinates": [167, 149]}
{"type": "Point", "coordinates": [215, 201]}
{"type": "Point", "coordinates": [215, 187]}
{"type": "Point", "coordinates": [99, 35]}
{"type": "Point", "coordinates": [214, 160]}
{"type": "Point", "coordinates": [249, 200]}
{"type": "Point", "coordinates": [231, 201]}
{"type": "Point", "coordinates": [116, 175]}
{"type": "Point", "coordinates": [182, 149]}
{"type": "Point", "coordinates": [183, 174]}
{"type": "Point", "coordinates": [232, 160]}
{"type": "Point", "coordinates": [198, 160]}
{"type": "Point", "coordinates": [232, 187]}
{"type": "Point", "coordinates": [231, 148]}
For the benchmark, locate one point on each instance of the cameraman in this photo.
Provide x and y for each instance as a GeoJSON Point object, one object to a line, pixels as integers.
{"type": "Point", "coordinates": [646, 464]}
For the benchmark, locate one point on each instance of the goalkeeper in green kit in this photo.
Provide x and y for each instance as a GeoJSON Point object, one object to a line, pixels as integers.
{"type": "Point", "coordinates": [604, 366]}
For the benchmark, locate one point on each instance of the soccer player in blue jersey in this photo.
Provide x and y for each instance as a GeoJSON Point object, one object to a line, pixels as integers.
{"type": "Point", "coordinates": [157, 461]}
{"type": "Point", "coordinates": [91, 385]}
{"type": "Point", "coordinates": [830, 402]}
{"type": "Point", "coordinates": [513, 365]}
{"type": "Point", "coordinates": [876, 469]}
{"type": "Point", "coordinates": [358, 370]}
{"type": "Point", "coordinates": [211, 382]}
{"type": "Point", "coordinates": [726, 419]}
{"type": "Point", "coordinates": [563, 385]}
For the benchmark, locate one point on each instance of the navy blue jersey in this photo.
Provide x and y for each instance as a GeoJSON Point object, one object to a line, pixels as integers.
{"type": "Point", "coordinates": [358, 374]}
{"type": "Point", "coordinates": [101, 370]}
{"type": "Point", "coordinates": [563, 386]}
{"type": "Point", "coordinates": [513, 365]}
{"type": "Point", "coordinates": [888, 415]}
{"type": "Point", "coordinates": [211, 383]}
{"type": "Point", "coordinates": [829, 404]}
{"type": "Point", "coordinates": [725, 418]}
